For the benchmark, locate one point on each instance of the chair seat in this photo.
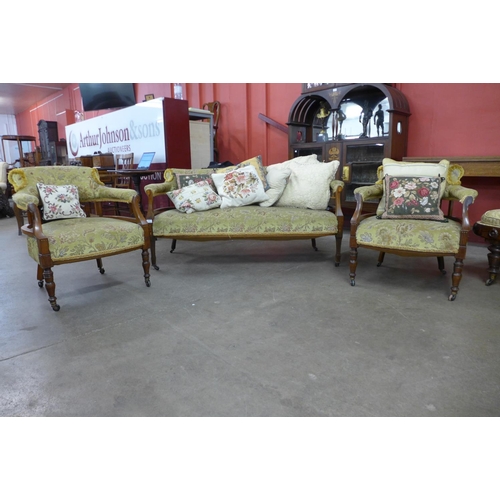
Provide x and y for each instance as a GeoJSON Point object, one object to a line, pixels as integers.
{"type": "Point", "coordinates": [491, 218]}
{"type": "Point", "coordinates": [87, 238]}
{"type": "Point", "coordinates": [410, 235]}
{"type": "Point", "coordinates": [246, 221]}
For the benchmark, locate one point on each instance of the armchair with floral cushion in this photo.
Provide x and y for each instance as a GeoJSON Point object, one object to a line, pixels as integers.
{"type": "Point", "coordinates": [65, 222]}
{"type": "Point", "coordinates": [409, 219]}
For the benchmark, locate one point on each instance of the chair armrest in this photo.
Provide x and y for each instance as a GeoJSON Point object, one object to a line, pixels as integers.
{"type": "Point", "coordinates": [34, 226]}
{"type": "Point", "coordinates": [362, 194]}
{"type": "Point", "coordinates": [336, 187]}
{"type": "Point", "coordinates": [22, 200]}
{"type": "Point", "coordinates": [107, 193]}
{"type": "Point", "coordinates": [370, 192]}
{"type": "Point", "coordinates": [459, 193]}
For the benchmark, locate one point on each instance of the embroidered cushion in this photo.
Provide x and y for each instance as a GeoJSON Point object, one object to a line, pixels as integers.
{"type": "Point", "coordinates": [192, 177]}
{"type": "Point", "coordinates": [239, 187]}
{"type": "Point", "coordinates": [60, 202]}
{"type": "Point", "coordinates": [413, 198]}
{"type": "Point", "coordinates": [196, 197]}
{"type": "Point", "coordinates": [402, 168]}
{"type": "Point", "coordinates": [256, 162]}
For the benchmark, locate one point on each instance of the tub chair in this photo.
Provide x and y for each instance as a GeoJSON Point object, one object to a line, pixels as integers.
{"type": "Point", "coordinates": [65, 222]}
{"type": "Point", "coordinates": [409, 219]}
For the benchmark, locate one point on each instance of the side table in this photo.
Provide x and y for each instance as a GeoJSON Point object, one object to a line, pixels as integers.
{"type": "Point", "coordinates": [489, 229]}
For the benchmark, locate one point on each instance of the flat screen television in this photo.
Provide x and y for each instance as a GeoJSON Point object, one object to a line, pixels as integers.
{"type": "Point", "coordinates": [97, 96]}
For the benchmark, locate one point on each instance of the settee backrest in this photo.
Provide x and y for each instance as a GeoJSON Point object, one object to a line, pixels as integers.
{"type": "Point", "coordinates": [86, 179]}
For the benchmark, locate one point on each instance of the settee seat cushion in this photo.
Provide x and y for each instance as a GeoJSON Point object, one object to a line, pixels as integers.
{"type": "Point", "coordinates": [250, 221]}
{"type": "Point", "coordinates": [89, 237]}
{"type": "Point", "coordinates": [410, 235]}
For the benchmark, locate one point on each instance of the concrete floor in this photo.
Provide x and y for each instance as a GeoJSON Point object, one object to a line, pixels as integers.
{"type": "Point", "coordinates": [248, 328]}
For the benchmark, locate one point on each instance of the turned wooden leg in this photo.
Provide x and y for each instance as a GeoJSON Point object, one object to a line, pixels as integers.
{"type": "Point", "coordinates": [353, 262]}
{"type": "Point", "coordinates": [19, 217]}
{"type": "Point", "coordinates": [153, 252]}
{"type": "Point", "coordinates": [172, 247]}
{"type": "Point", "coordinates": [145, 266]}
{"type": "Point", "coordinates": [381, 256]}
{"type": "Point", "coordinates": [99, 265]}
{"type": "Point", "coordinates": [456, 277]}
{"type": "Point", "coordinates": [338, 248]}
{"type": "Point", "coordinates": [441, 265]}
{"type": "Point", "coordinates": [50, 286]}
{"type": "Point", "coordinates": [494, 262]}
{"type": "Point", "coordinates": [39, 276]}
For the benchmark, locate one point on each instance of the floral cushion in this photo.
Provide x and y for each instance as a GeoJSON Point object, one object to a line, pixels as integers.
{"type": "Point", "coordinates": [60, 202]}
{"type": "Point", "coordinates": [403, 168]}
{"type": "Point", "coordinates": [196, 197]}
{"type": "Point", "coordinates": [239, 187]}
{"type": "Point", "coordinates": [413, 198]}
{"type": "Point", "coordinates": [277, 179]}
{"type": "Point", "coordinates": [186, 179]}
{"type": "Point", "coordinates": [256, 162]}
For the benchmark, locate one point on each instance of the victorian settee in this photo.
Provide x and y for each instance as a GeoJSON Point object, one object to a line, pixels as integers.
{"type": "Point", "coordinates": [296, 199]}
{"type": "Point", "coordinates": [65, 222]}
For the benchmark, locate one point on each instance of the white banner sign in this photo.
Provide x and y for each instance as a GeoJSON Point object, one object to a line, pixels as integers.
{"type": "Point", "coordinates": [137, 129]}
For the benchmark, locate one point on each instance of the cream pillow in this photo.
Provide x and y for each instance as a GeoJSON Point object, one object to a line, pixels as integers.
{"type": "Point", "coordinates": [277, 179]}
{"type": "Point", "coordinates": [308, 185]}
{"type": "Point", "coordinates": [60, 202]}
{"type": "Point", "coordinates": [406, 168]}
{"type": "Point", "coordinates": [239, 187]}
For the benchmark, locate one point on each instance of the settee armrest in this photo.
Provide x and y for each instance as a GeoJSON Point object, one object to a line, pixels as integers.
{"type": "Point", "coordinates": [153, 190]}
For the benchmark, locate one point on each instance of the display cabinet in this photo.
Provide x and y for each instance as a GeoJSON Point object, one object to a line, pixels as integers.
{"type": "Point", "coordinates": [358, 124]}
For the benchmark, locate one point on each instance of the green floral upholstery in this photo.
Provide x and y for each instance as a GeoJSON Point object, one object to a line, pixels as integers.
{"type": "Point", "coordinates": [88, 238]}
{"type": "Point", "coordinates": [243, 222]}
{"type": "Point", "coordinates": [249, 221]}
{"type": "Point", "coordinates": [413, 235]}
{"type": "Point", "coordinates": [67, 240]}
{"type": "Point", "coordinates": [491, 218]}
{"type": "Point", "coordinates": [90, 187]}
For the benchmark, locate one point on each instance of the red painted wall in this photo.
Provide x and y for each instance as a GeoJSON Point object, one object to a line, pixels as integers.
{"type": "Point", "coordinates": [446, 120]}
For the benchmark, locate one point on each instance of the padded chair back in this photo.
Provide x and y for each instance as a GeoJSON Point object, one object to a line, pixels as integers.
{"type": "Point", "coordinates": [24, 180]}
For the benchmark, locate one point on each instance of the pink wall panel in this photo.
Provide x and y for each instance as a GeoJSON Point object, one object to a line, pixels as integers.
{"type": "Point", "coordinates": [453, 119]}
{"type": "Point", "coordinates": [446, 120]}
